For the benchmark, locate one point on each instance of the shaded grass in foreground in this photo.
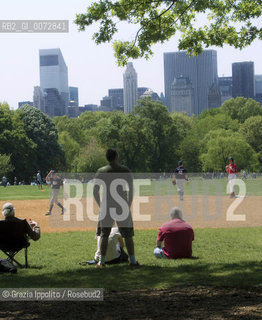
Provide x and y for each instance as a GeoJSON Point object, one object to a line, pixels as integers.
{"type": "Point", "coordinates": [226, 257]}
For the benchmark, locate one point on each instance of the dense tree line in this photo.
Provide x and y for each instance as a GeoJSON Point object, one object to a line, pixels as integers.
{"type": "Point", "coordinates": [150, 139]}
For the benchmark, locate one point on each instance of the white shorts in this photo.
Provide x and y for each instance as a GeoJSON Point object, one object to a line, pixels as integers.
{"type": "Point", "coordinates": [231, 180]}
{"type": "Point", "coordinates": [180, 185]}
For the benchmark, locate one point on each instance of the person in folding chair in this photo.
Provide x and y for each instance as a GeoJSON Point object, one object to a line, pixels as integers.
{"type": "Point", "coordinates": [27, 230]}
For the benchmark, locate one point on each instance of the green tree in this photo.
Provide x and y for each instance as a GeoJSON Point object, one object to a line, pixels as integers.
{"type": "Point", "coordinates": [108, 128]}
{"type": "Point", "coordinates": [91, 158]}
{"type": "Point", "coordinates": [189, 153]}
{"type": "Point", "coordinates": [231, 22]}
{"type": "Point", "coordinates": [74, 129]}
{"type": "Point", "coordinates": [252, 132]}
{"type": "Point", "coordinates": [15, 142]}
{"type": "Point", "coordinates": [71, 149]}
{"type": "Point", "coordinates": [203, 125]}
{"type": "Point", "coordinates": [242, 108]}
{"type": "Point", "coordinates": [220, 144]}
{"type": "Point", "coordinates": [135, 144]}
{"type": "Point", "coordinates": [6, 166]}
{"type": "Point", "coordinates": [165, 137]}
{"type": "Point", "coordinates": [42, 131]}
{"type": "Point", "coordinates": [182, 122]}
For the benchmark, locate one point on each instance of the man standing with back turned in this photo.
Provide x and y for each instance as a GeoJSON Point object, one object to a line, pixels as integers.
{"type": "Point", "coordinates": [114, 178]}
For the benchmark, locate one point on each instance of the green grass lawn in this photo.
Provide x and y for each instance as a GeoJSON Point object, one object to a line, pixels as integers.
{"type": "Point", "coordinates": [227, 257]}
{"type": "Point", "coordinates": [24, 193]}
{"type": "Point", "coordinates": [142, 187]}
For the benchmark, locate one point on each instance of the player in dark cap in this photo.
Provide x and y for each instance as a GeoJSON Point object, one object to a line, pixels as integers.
{"type": "Point", "coordinates": [180, 175]}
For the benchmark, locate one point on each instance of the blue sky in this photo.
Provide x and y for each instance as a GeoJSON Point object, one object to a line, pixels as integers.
{"type": "Point", "coordinates": [91, 68]}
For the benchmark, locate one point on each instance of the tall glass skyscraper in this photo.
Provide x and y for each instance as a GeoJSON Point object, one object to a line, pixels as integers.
{"type": "Point", "coordinates": [130, 88]}
{"type": "Point", "coordinates": [201, 72]}
{"type": "Point", "coordinates": [243, 80]}
{"type": "Point", "coordinates": [54, 75]}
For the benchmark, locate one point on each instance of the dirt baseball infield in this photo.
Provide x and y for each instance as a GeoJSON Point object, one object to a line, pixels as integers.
{"type": "Point", "coordinates": [148, 212]}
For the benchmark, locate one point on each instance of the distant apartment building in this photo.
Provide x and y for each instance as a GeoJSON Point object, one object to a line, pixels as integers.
{"type": "Point", "coordinates": [243, 80]}
{"type": "Point", "coordinates": [182, 96]}
{"type": "Point", "coordinates": [73, 97]}
{"type": "Point", "coordinates": [87, 107]}
{"type": "Point", "coordinates": [106, 103]}
{"type": "Point", "coordinates": [214, 96]}
{"type": "Point", "coordinates": [200, 70]}
{"type": "Point", "coordinates": [150, 93]}
{"type": "Point", "coordinates": [25, 102]}
{"type": "Point", "coordinates": [54, 104]}
{"type": "Point", "coordinates": [225, 86]}
{"type": "Point", "coordinates": [117, 96]}
{"type": "Point", "coordinates": [38, 99]}
{"type": "Point", "coordinates": [258, 88]}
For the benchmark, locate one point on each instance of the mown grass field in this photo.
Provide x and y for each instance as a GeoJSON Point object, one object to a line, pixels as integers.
{"type": "Point", "coordinates": [226, 257]}
{"type": "Point", "coordinates": [143, 187]}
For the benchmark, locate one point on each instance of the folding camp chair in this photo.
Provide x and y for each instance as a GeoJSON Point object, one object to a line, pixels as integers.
{"type": "Point", "coordinates": [13, 239]}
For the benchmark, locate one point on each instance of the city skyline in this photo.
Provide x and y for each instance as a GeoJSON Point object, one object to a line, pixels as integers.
{"type": "Point", "coordinates": [91, 68]}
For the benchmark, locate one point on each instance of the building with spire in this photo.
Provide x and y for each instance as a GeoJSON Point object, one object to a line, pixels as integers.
{"type": "Point", "coordinates": [130, 88]}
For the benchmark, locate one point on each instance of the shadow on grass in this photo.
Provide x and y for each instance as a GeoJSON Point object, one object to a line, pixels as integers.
{"type": "Point", "coordinates": [201, 302]}
{"type": "Point", "coordinates": [122, 277]}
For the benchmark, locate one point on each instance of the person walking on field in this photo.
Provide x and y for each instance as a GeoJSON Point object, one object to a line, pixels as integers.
{"type": "Point", "coordinates": [179, 178]}
{"type": "Point", "coordinates": [231, 169]}
{"type": "Point", "coordinates": [56, 182]}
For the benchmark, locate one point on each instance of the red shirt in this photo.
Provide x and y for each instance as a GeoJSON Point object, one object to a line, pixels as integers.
{"type": "Point", "coordinates": [178, 236]}
{"type": "Point", "coordinates": [232, 168]}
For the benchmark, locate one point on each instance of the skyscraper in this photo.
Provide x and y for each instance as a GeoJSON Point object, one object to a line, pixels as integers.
{"type": "Point", "coordinates": [54, 75]}
{"type": "Point", "coordinates": [130, 88]}
{"type": "Point", "coordinates": [200, 70]}
{"type": "Point", "coordinates": [243, 81]}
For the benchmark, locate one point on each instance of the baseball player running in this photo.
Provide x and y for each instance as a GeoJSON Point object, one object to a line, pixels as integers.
{"type": "Point", "coordinates": [56, 182]}
{"type": "Point", "coordinates": [179, 177]}
{"type": "Point", "coordinates": [231, 169]}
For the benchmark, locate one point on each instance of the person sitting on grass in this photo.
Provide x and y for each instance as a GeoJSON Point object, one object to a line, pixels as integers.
{"type": "Point", "coordinates": [115, 252]}
{"type": "Point", "coordinates": [177, 236]}
{"type": "Point", "coordinates": [32, 230]}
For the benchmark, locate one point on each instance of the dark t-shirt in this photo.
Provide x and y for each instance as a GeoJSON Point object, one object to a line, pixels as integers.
{"type": "Point", "coordinates": [56, 183]}
{"type": "Point", "coordinates": [115, 173]}
{"type": "Point", "coordinates": [177, 236]}
{"type": "Point", "coordinates": [180, 173]}
{"type": "Point", "coordinates": [33, 234]}
{"type": "Point", "coordinates": [116, 182]}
